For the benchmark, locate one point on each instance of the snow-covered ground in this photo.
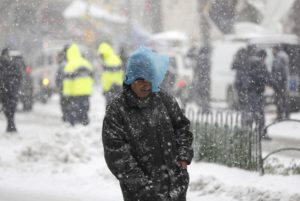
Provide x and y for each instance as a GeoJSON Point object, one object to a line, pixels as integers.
{"type": "Point", "coordinates": [50, 161]}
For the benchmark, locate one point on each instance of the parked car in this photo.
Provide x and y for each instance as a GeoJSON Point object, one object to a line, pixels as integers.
{"type": "Point", "coordinates": [44, 72]}
{"type": "Point", "coordinates": [222, 76]}
{"type": "Point", "coordinates": [169, 41]}
{"type": "Point", "coordinates": [179, 77]}
{"type": "Point", "coordinates": [26, 88]}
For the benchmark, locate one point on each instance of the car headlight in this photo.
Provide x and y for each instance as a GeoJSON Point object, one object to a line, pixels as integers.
{"type": "Point", "coordinates": [46, 81]}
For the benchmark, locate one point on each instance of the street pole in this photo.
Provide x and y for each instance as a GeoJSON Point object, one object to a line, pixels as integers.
{"type": "Point", "coordinates": [157, 24]}
{"type": "Point", "coordinates": [203, 59]}
{"type": "Point", "coordinates": [203, 6]}
{"type": "Point", "coordinates": [128, 26]}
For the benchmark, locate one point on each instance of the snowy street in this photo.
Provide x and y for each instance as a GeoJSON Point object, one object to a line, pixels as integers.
{"type": "Point", "coordinates": [228, 63]}
{"type": "Point", "coordinates": [50, 161]}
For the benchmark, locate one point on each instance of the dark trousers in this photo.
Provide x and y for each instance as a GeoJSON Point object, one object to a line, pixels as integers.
{"type": "Point", "coordinates": [76, 110]}
{"type": "Point", "coordinates": [253, 111]}
{"type": "Point", "coordinates": [281, 104]}
{"type": "Point", "coordinates": [9, 104]}
{"type": "Point", "coordinates": [63, 106]}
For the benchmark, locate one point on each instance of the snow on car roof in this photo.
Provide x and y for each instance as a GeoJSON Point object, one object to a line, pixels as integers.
{"type": "Point", "coordinates": [264, 38]}
{"type": "Point", "coordinates": [15, 53]}
{"type": "Point", "coordinates": [170, 35]}
{"type": "Point", "coordinates": [275, 39]}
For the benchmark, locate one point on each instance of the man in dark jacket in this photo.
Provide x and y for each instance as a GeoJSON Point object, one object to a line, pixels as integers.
{"type": "Point", "coordinates": [146, 137]}
{"type": "Point", "coordinates": [10, 77]}
{"type": "Point", "coordinates": [240, 64]}
{"type": "Point", "coordinates": [280, 70]}
{"type": "Point", "coordinates": [61, 62]}
{"type": "Point", "coordinates": [257, 77]}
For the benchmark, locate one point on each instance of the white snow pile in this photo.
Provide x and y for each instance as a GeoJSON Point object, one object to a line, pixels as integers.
{"type": "Point", "coordinates": [210, 185]}
{"type": "Point", "coordinates": [241, 185]}
{"type": "Point", "coordinates": [65, 147]}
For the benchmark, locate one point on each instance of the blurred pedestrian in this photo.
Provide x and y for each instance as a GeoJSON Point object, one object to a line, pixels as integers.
{"type": "Point", "coordinates": [169, 81]}
{"type": "Point", "coordinates": [77, 86]}
{"type": "Point", "coordinates": [10, 80]}
{"type": "Point", "coordinates": [240, 65]}
{"type": "Point", "coordinates": [256, 79]}
{"type": "Point", "coordinates": [280, 71]}
{"type": "Point", "coordinates": [123, 55]}
{"type": "Point", "coordinates": [112, 73]}
{"type": "Point", "coordinates": [61, 62]}
{"type": "Point", "coordinates": [146, 138]}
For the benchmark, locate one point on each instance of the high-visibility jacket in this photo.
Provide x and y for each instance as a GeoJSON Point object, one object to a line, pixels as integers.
{"type": "Point", "coordinates": [112, 67]}
{"type": "Point", "coordinates": [78, 74]}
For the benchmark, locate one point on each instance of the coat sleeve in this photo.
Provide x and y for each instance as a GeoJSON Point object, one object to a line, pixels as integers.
{"type": "Point", "coordinates": [181, 126]}
{"type": "Point", "coordinates": [120, 160]}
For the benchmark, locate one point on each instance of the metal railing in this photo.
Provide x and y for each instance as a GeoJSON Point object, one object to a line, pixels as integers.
{"type": "Point", "coordinates": [220, 137]}
{"type": "Point", "coordinates": [265, 130]}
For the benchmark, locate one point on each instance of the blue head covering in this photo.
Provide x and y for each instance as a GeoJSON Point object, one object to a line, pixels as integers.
{"type": "Point", "coordinates": [146, 64]}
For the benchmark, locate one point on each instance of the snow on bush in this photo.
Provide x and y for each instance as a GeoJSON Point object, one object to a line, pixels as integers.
{"type": "Point", "coordinates": [275, 166]}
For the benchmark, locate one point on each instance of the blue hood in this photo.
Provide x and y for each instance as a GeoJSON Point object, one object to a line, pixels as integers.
{"type": "Point", "coordinates": [146, 64]}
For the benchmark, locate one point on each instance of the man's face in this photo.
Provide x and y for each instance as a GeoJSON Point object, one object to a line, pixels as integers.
{"type": "Point", "coordinates": [142, 88]}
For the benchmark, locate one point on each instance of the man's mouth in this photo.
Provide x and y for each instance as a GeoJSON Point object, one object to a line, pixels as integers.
{"type": "Point", "coordinates": [145, 90]}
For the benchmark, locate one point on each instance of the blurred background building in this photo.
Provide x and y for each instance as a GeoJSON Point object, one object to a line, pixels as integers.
{"type": "Point", "coordinates": [28, 25]}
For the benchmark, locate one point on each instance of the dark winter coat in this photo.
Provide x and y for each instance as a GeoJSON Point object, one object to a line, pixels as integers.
{"type": "Point", "coordinates": [280, 70]}
{"type": "Point", "coordinates": [10, 78]}
{"type": "Point", "coordinates": [143, 142]}
{"type": "Point", "coordinates": [241, 65]}
{"type": "Point", "coordinates": [256, 79]}
{"type": "Point", "coordinates": [257, 76]}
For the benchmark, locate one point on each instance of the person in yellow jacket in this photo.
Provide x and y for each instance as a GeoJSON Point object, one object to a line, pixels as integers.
{"type": "Point", "coordinates": [112, 76]}
{"type": "Point", "coordinates": [77, 86]}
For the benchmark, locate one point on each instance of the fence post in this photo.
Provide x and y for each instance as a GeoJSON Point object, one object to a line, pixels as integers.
{"type": "Point", "coordinates": [260, 159]}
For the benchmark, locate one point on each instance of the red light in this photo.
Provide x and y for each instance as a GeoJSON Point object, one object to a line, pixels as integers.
{"type": "Point", "coordinates": [28, 70]}
{"type": "Point", "coordinates": [181, 84]}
